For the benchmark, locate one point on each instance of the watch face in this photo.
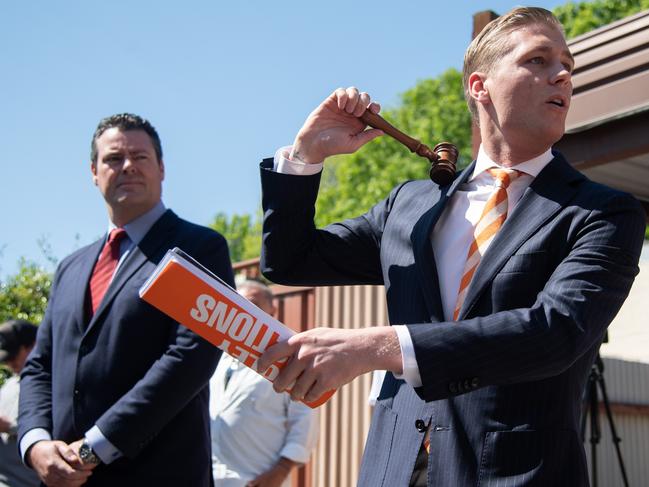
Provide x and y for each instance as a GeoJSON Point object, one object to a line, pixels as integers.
{"type": "Point", "coordinates": [86, 454]}
{"type": "Point", "coordinates": [84, 451]}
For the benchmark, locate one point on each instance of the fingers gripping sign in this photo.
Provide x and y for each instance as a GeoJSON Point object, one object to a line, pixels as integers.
{"type": "Point", "coordinates": [334, 127]}
{"type": "Point", "coordinates": [323, 359]}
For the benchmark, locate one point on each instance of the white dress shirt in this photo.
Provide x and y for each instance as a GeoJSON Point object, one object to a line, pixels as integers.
{"type": "Point", "coordinates": [252, 426]}
{"type": "Point", "coordinates": [452, 235]}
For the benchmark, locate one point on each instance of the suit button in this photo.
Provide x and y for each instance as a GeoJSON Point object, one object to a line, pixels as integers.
{"type": "Point", "coordinates": [452, 387]}
{"type": "Point", "coordinates": [420, 425]}
{"type": "Point", "coordinates": [76, 392]}
{"type": "Point", "coordinates": [475, 382]}
{"type": "Point", "coordinates": [467, 385]}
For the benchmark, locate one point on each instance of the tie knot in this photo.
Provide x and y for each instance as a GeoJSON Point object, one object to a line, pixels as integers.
{"type": "Point", "coordinates": [115, 236]}
{"type": "Point", "coordinates": [503, 177]}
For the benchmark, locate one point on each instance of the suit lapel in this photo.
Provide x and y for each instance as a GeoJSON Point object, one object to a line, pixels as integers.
{"type": "Point", "coordinates": [547, 195]}
{"type": "Point", "coordinates": [157, 236]}
{"type": "Point", "coordinates": [423, 248]}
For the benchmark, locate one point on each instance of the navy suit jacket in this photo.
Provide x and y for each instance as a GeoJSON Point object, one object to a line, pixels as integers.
{"type": "Point", "coordinates": [502, 387]}
{"type": "Point", "coordinates": [135, 373]}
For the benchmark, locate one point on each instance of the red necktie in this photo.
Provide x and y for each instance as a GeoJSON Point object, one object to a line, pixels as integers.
{"type": "Point", "coordinates": [105, 267]}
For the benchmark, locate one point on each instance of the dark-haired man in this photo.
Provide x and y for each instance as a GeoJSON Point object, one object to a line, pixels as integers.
{"type": "Point", "coordinates": [115, 392]}
{"type": "Point", "coordinates": [501, 283]}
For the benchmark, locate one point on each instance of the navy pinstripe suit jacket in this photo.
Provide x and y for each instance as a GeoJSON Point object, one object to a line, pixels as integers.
{"type": "Point", "coordinates": [502, 387]}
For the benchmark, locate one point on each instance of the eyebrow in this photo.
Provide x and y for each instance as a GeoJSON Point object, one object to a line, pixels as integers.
{"type": "Point", "coordinates": [565, 52]}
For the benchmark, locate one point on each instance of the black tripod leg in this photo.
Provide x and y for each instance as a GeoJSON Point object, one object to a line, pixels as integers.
{"type": "Point", "coordinates": [595, 433]}
{"type": "Point", "coordinates": [609, 415]}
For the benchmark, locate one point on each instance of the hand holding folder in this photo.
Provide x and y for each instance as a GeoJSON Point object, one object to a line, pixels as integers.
{"type": "Point", "coordinates": [183, 289]}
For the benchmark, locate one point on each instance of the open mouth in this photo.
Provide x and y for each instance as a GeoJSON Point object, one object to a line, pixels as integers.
{"type": "Point", "coordinates": [557, 101]}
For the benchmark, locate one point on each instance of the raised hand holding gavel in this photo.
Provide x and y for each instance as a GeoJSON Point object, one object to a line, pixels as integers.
{"type": "Point", "coordinates": [338, 126]}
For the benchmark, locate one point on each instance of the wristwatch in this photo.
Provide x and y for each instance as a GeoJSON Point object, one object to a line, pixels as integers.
{"type": "Point", "coordinates": [87, 454]}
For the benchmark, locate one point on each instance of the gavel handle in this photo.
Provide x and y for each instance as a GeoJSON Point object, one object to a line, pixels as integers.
{"type": "Point", "coordinates": [378, 122]}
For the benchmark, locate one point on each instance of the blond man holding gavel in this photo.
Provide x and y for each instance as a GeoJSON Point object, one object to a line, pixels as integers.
{"type": "Point", "coordinates": [500, 284]}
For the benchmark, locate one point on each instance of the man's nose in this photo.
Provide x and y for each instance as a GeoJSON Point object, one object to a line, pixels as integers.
{"type": "Point", "coordinates": [561, 75]}
{"type": "Point", "coordinates": [128, 165]}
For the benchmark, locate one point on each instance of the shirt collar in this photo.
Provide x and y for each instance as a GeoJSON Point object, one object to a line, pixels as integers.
{"type": "Point", "coordinates": [138, 228]}
{"type": "Point", "coordinates": [532, 167]}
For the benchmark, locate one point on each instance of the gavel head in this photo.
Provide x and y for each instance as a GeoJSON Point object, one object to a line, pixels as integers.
{"type": "Point", "coordinates": [442, 170]}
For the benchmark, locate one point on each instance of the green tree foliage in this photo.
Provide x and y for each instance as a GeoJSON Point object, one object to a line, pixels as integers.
{"type": "Point", "coordinates": [580, 17]}
{"type": "Point", "coordinates": [434, 110]}
{"type": "Point", "coordinates": [24, 294]}
{"type": "Point", "coordinates": [242, 232]}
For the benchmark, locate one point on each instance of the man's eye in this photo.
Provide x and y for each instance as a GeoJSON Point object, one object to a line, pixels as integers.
{"type": "Point", "coordinates": [537, 60]}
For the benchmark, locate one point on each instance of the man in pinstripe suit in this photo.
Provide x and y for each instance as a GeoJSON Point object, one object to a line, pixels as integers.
{"type": "Point", "coordinates": [500, 285]}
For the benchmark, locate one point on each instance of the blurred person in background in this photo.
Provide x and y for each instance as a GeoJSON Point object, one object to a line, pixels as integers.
{"type": "Point", "coordinates": [17, 339]}
{"type": "Point", "coordinates": [258, 435]}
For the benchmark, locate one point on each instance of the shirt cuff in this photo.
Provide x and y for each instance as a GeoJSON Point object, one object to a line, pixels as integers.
{"type": "Point", "coordinates": [283, 165]}
{"type": "Point", "coordinates": [296, 452]}
{"type": "Point", "coordinates": [409, 360]}
{"type": "Point", "coordinates": [104, 449]}
{"type": "Point", "coordinates": [32, 437]}
{"type": "Point", "coordinates": [378, 376]}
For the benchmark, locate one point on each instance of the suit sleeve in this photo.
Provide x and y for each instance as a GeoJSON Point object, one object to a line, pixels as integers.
{"type": "Point", "coordinates": [35, 403]}
{"type": "Point", "coordinates": [181, 372]}
{"type": "Point", "coordinates": [294, 252]}
{"type": "Point", "coordinates": [568, 318]}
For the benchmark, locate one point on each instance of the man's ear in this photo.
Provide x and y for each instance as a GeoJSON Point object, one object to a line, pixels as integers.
{"type": "Point", "coordinates": [93, 170]}
{"type": "Point", "coordinates": [162, 170]}
{"type": "Point", "coordinates": [478, 87]}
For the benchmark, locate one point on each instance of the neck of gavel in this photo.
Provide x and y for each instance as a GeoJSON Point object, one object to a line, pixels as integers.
{"type": "Point", "coordinates": [442, 157]}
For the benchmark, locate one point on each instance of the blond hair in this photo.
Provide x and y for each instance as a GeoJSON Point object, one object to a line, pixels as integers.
{"type": "Point", "coordinates": [490, 45]}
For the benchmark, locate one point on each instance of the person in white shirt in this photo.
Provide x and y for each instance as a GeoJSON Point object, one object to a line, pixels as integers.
{"type": "Point", "coordinates": [258, 435]}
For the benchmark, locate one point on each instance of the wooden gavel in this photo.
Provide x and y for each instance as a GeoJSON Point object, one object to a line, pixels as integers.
{"type": "Point", "coordinates": [442, 157]}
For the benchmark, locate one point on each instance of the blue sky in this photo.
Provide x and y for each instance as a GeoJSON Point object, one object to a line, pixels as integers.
{"type": "Point", "coordinates": [225, 84]}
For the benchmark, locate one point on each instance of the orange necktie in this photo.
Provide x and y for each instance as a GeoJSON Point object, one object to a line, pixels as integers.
{"type": "Point", "coordinates": [492, 218]}
{"type": "Point", "coordinates": [105, 267]}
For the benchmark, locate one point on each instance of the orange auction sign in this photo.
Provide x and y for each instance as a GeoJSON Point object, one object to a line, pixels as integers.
{"type": "Point", "coordinates": [190, 294]}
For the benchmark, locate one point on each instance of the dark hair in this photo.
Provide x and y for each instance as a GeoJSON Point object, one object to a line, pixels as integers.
{"type": "Point", "coordinates": [13, 335]}
{"type": "Point", "coordinates": [124, 122]}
